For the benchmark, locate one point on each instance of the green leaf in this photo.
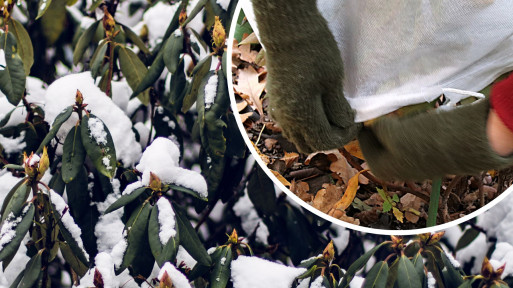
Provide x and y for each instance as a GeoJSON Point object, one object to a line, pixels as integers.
{"type": "Point", "coordinates": [53, 21]}
{"type": "Point", "coordinates": [467, 283]}
{"type": "Point", "coordinates": [418, 263]}
{"type": "Point", "coordinates": [32, 271]}
{"type": "Point", "coordinates": [407, 275]}
{"type": "Point", "coordinates": [73, 155]}
{"type": "Point", "coordinates": [188, 191]}
{"type": "Point", "coordinates": [84, 41]}
{"type": "Point", "coordinates": [195, 11]}
{"type": "Point", "coordinates": [6, 118]}
{"type": "Point", "coordinates": [189, 238]}
{"type": "Point", "coordinates": [453, 277]}
{"type": "Point", "coordinates": [57, 123]}
{"type": "Point", "coordinates": [68, 237]}
{"type": "Point", "coordinates": [100, 146]}
{"type": "Point", "coordinates": [137, 229]}
{"type": "Point", "coordinates": [162, 253]}
{"type": "Point", "coordinates": [134, 70]}
{"type": "Point", "coordinates": [135, 39]}
{"type": "Point", "coordinates": [21, 229]}
{"type": "Point", "coordinates": [468, 237]}
{"type": "Point", "coordinates": [12, 76]}
{"type": "Point", "coordinates": [152, 75]}
{"type": "Point", "coordinates": [198, 74]}
{"type": "Point", "coordinates": [261, 192]}
{"type": "Point", "coordinates": [172, 101]}
{"type": "Point", "coordinates": [43, 6]}
{"type": "Point", "coordinates": [126, 199]}
{"type": "Point", "coordinates": [77, 265]}
{"type": "Point", "coordinates": [97, 59]}
{"type": "Point", "coordinates": [377, 276]}
{"type": "Point", "coordinates": [25, 49]}
{"type": "Point", "coordinates": [221, 273]}
{"type": "Point", "coordinates": [358, 264]}
{"type": "Point", "coordinates": [172, 50]}
{"type": "Point", "coordinates": [8, 197]}
{"type": "Point", "coordinates": [16, 199]}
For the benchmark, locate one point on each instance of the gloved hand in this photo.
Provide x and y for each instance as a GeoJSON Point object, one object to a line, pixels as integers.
{"type": "Point", "coordinates": [304, 83]}
{"type": "Point", "coordinates": [431, 144]}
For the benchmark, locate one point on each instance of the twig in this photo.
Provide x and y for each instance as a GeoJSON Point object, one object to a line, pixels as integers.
{"type": "Point", "coordinates": [373, 178]}
{"type": "Point", "coordinates": [479, 179]}
{"type": "Point", "coordinates": [445, 197]}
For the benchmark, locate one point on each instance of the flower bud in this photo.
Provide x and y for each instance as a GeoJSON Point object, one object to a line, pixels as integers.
{"type": "Point", "coordinates": [31, 164]}
{"type": "Point", "coordinates": [218, 35]}
{"type": "Point", "coordinates": [108, 23]}
{"type": "Point", "coordinates": [329, 252]}
{"type": "Point", "coordinates": [165, 281]}
{"type": "Point", "coordinates": [234, 238]}
{"type": "Point", "coordinates": [155, 183]}
{"type": "Point", "coordinates": [44, 163]}
{"type": "Point", "coordinates": [182, 17]}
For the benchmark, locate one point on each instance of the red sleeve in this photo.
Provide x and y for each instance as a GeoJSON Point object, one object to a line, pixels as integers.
{"type": "Point", "coordinates": [501, 100]}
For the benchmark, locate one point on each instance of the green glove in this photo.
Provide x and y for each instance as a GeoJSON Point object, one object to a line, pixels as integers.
{"type": "Point", "coordinates": [432, 144]}
{"type": "Point", "coordinates": [304, 83]}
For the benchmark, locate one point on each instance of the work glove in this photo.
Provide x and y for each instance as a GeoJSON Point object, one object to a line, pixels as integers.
{"type": "Point", "coordinates": [431, 144]}
{"type": "Point", "coordinates": [304, 81]}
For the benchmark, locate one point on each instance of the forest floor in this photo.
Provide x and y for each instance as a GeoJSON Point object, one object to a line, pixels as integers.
{"type": "Point", "coordinates": [322, 179]}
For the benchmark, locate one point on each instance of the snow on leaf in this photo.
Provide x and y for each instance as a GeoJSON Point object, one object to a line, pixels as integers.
{"type": "Point", "coordinates": [167, 221]}
{"type": "Point", "coordinates": [179, 280]}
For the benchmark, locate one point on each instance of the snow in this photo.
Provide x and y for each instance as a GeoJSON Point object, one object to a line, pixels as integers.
{"type": "Point", "coordinates": [477, 249]}
{"type": "Point", "coordinates": [179, 280]}
{"type": "Point", "coordinates": [182, 256]}
{"type": "Point", "coordinates": [17, 264]}
{"type": "Point", "coordinates": [13, 145]}
{"type": "Point", "coordinates": [342, 239]}
{"type": "Point", "coordinates": [254, 272]}
{"type": "Point", "coordinates": [132, 187]}
{"type": "Point", "coordinates": [317, 283]}
{"type": "Point", "coordinates": [67, 220]}
{"type": "Point", "coordinates": [166, 217]}
{"type": "Point", "coordinates": [109, 229]}
{"type": "Point", "coordinates": [223, 3]}
{"type": "Point", "coordinates": [304, 283]}
{"type": "Point", "coordinates": [121, 93]}
{"type": "Point", "coordinates": [454, 262]}
{"type": "Point", "coordinates": [8, 231]}
{"type": "Point", "coordinates": [35, 94]}
{"type": "Point", "coordinates": [98, 133]}
{"type": "Point", "coordinates": [211, 91]}
{"type": "Point", "coordinates": [431, 281]}
{"type": "Point", "coordinates": [61, 94]}
{"type": "Point", "coordinates": [7, 182]}
{"type": "Point", "coordinates": [162, 158]}
{"type": "Point", "coordinates": [118, 251]}
{"type": "Point", "coordinates": [503, 253]}
{"type": "Point", "coordinates": [245, 209]}
{"type": "Point", "coordinates": [105, 266]}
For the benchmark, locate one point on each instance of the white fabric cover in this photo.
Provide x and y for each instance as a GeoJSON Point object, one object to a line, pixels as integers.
{"type": "Point", "coordinates": [398, 53]}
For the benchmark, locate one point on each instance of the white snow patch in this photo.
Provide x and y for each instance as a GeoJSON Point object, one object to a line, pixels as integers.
{"type": "Point", "coordinates": [98, 133]}
{"type": "Point", "coordinates": [18, 263]}
{"type": "Point", "coordinates": [166, 217]}
{"type": "Point", "coordinates": [342, 239]}
{"type": "Point", "coordinates": [8, 231]}
{"type": "Point", "coordinates": [67, 220]}
{"type": "Point", "coordinates": [182, 256]}
{"type": "Point", "coordinates": [109, 229]}
{"type": "Point", "coordinates": [503, 253]}
{"type": "Point", "coordinates": [477, 249]}
{"type": "Point", "coordinates": [7, 182]}
{"type": "Point", "coordinates": [254, 272]}
{"type": "Point", "coordinates": [223, 3]}
{"type": "Point", "coordinates": [121, 93]}
{"type": "Point", "coordinates": [13, 145]}
{"type": "Point", "coordinates": [317, 283]}
{"type": "Point", "coordinates": [245, 209]}
{"type": "Point", "coordinates": [162, 158]}
{"type": "Point", "coordinates": [61, 94]}
{"type": "Point", "coordinates": [118, 251]}
{"type": "Point", "coordinates": [179, 280]}
{"type": "Point", "coordinates": [132, 187]}
{"type": "Point", "coordinates": [211, 91]}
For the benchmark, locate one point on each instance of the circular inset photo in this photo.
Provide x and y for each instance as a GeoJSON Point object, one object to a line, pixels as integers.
{"type": "Point", "coordinates": [384, 120]}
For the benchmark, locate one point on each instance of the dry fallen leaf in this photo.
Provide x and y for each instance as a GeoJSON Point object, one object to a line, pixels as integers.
{"type": "Point", "coordinates": [246, 54]}
{"type": "Point", "coordinates": [349, 194]}
{"type": "Point", "coordinates": [262, 156]}
{"type": "Point", "coordinates": [281, 178]}
{"type": "Point", "coordinates": [354, 149]}
{"type": "Point", "coordinates": [411, 203]}
{"type": "Point", "coordinates": [341, 215]}
{"type": "Point", "coordinates": [301, 189]}
{"type": "Point", "coordinates": [250, 85]}
{"type": "Point", "coordinates": [326, 197]}
{"type": "Point", "coordinates": [250, 39]}
{"type": "Point", "coordinates": [290, 158]}
{"type": "Point", "coordinates": [269, 143]}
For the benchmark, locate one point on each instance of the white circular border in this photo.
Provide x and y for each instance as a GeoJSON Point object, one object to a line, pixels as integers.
{"type": "Point", "coordinates": [303, 203]}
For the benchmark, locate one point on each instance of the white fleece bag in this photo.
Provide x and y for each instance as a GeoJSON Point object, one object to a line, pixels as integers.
{"type": "Point", "coordinates": [397, 52]}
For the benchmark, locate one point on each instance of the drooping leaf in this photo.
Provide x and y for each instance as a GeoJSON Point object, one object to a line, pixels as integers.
{"type": "Point", "coordinates": [350, 193]}
{"type": "Point", "coordinates": [73, 155]}
{"type": "Point", "coordinates": [152, 75]}
{"type": "Point", "coordinates": [418, 263]}
{"type": "Point", "coordinates": [189, 238]}
{"type": "Point", "coordinates": [134, 70]}
{"type": "Point", "coordinates": [137, 229]}
{"type": "Point", "coordinates": [68, 255]}
{"type": "Point", "coordinates": [53, 21]}
{"type": "Point", "coordinates": [57, 123]}
{"type": "Point", "coordinates": [172, 101]}
{"type": "Point", "coordinates": [195, 11]}
{"type": "Point", "coordinates": [135, 39]}
{"type": "Point", "coordinates": [6, 118]}
{"type": "Point", "coordinates": [8, 197]}
{"type": "Point", "coordinates": [188, 191]}
{"type": "Point", "coordinates": [468, 237]}
{"type": "Point", "coordinates": [32, 271]}
{"type": "Point", "coordinates": [172, 50]}
{"type": "Point", "coordinates": [453, 277]}
{"type": "Point", "coordinates": [358, 264]}
{"type": "Point", "coordinates": [162, 253]}
{"type": "Point", "coordinates": [43, 6]}
{"type": "Point", "coordinates": [68, 236]}
{"type": "Point", "coordinates": [12, 76]}
{"type": "Point", "coordinates": [97, 60]}
{"type": "Point", "coordinates": [98, 144]}
{"type": "Point", "coordinates": [261, 191]}
{"type": "Point", "coordinates": [126, 199]}
{"type": "Point", "coordinates": [407, 275]}
{"type": "Point", "coordinates": [377, 276]}
{"type": "Point", "coordinates": [199, 72]}
{"type": "Point", "coordinates": [21, 229]}
{"type": "Point", "coordinates": [221, 273]}
{"type": "Point", "coordinates": [84, 41]}
{"type": "Point", "coordinates": [16, 199]}
{"type": "Point", "coordinates": [25, 49]}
